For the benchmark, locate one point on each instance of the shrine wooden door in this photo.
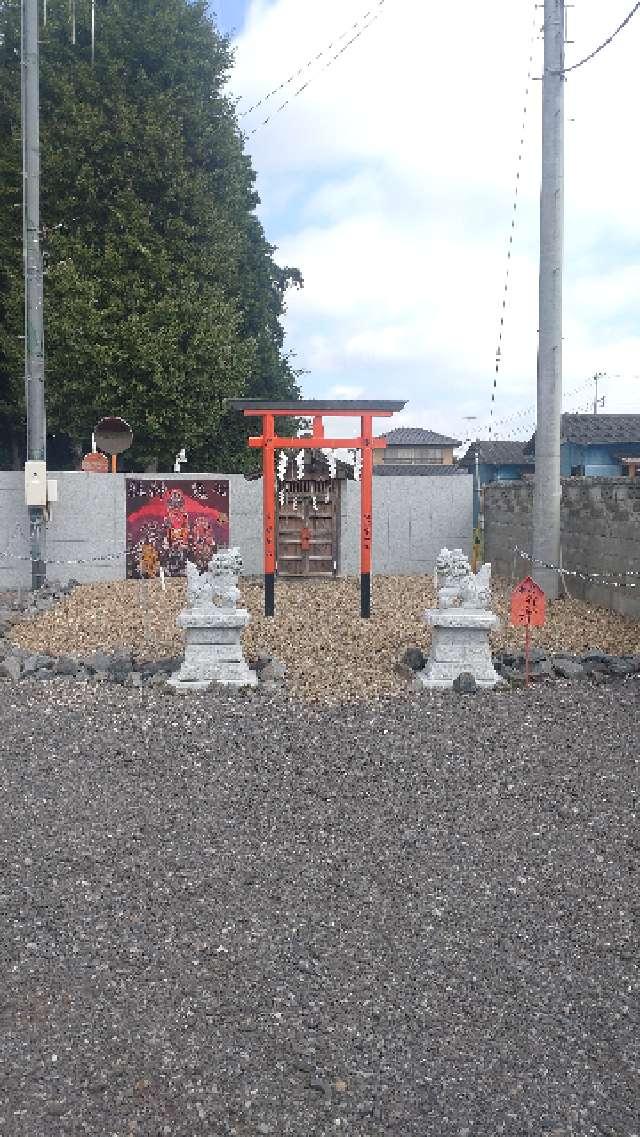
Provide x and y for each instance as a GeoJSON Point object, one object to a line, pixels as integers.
{"type": "Point", "coordinates": [307, 528]}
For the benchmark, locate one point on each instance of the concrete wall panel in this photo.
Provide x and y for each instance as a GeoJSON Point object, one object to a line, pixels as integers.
{"type": "Point", "coordinates": [600, 526]}
{"type": "Point", "coordinates": [413, 518]}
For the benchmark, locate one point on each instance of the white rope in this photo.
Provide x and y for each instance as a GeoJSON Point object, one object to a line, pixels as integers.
{"type": "Point", "coordinates": [599, 577]}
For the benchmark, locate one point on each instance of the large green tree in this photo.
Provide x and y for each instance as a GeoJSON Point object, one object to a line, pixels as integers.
{"type": "Point", "coordinates": [162, 297]}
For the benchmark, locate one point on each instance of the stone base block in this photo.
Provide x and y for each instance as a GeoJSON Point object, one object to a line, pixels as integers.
{"type": "Point", "coordinates": [436, 682]}
{"type": "Point", "coordinates": [204, 655]}
{"type": "Point", "coordinates": [460, 643]}
{"type": "Point", "coordinates": [228, 674]}
{"type": "Point", "coordinates": [213, 650]}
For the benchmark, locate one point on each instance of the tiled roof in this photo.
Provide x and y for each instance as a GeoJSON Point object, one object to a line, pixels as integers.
{"type": "Point", "coordinates": [596, 430]}
{"type": "Point", "coordinates": [496, 453]}
{"type": "Point", "coordinates": [408, 469]}
{"type": "Point", "coordinates": [586, 429]}
{"type": "Point", "coordinates": [416, 436]}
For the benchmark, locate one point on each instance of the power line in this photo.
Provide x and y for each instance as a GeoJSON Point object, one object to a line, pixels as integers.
{"type": "Point", "coordinates": [310, 62]}
{"type": "Point", "coordinates": [605, 43]}
{"type": "Point", "coordinates": [376, 15]}
{"type": "Point", "coordinates": [529, 412]}
{"type": "Point", "coordinates": [513, 221]}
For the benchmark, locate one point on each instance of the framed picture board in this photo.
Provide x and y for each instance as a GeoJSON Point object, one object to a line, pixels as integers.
{"type": "Point", "coordinates": [170, 522]}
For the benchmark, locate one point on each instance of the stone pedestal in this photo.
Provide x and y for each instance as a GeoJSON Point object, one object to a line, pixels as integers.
{"type": "Point", "coordinates": [213, 650]}
{"type": "Point", "coordinates": [460, 643]}
{"type": "Point", "coordinates": [213, 644]}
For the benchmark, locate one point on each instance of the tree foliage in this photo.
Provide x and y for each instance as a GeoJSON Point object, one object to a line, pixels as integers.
{"type": "Point", "coordinates": [162, 297]}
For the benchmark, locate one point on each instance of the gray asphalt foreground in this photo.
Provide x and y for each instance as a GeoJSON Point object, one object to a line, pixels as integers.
{"type": "Point", "coordinates": [241, 915]}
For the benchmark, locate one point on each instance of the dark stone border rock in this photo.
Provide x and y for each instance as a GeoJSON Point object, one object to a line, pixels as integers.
{"type": "Point", "coordinates": [17, 663]}
{"type": "Point", "coordinates": [547, 666]}
{"type": "Point", "coordinates": [121, 668]}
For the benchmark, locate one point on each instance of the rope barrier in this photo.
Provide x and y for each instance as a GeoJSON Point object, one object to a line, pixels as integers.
{"type": "Point", "coordinates": [75, 561]}
{"type": "Point", "coordinates": [609, 579]}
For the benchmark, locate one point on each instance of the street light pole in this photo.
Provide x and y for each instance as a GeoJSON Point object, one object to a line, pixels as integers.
{"type": "Point", "coordinates": [478, 520]}
{"type": "Point", "coordinates": [33, 286]}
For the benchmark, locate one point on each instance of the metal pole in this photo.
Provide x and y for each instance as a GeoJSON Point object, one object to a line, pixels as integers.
{"type": "Point", "coordinates": [598, 402]}
{"type": "Point", "coordinates": [477, 485]}
{"type": "Point", "coordinates": [33, 303]}
{"type": "Point", "coordinates": [547, 488]}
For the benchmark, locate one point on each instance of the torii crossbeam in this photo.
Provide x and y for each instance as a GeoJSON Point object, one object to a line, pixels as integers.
{"type": "Point", "coordinates": [268, 441]}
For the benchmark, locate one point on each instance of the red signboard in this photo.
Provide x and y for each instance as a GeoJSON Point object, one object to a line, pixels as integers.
{"type": "Point", "coordinates": [174, 520]}
{"type": "Point", "coordinates": [528, 604]}
{"type": "Point", "coordinates": [95, 463]}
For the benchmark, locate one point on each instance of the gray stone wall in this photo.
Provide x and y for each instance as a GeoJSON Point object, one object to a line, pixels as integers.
{"type": "Point", "coordinates": [88, 524]}
{"type": "Point", "coordinates": [600, 533]}
{"type": "Point", "coordinates": [413, 519]}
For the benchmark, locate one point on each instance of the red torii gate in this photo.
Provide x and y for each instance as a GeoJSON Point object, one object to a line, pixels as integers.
{"type": "Point", "coordinates": [268, 441]}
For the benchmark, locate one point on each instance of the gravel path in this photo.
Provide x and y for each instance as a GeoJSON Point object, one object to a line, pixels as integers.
{"type": "Point", "coordinates": [410, 918]}
{"type": "Point", "coordinates": [330, 653]}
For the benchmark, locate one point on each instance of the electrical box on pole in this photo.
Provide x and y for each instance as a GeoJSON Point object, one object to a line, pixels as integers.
{"type": "Point", "coordinates": [35, 483]}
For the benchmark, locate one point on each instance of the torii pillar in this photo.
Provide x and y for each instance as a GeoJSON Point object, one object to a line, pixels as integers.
{"type": "Point", "coordinates": [268, 441]}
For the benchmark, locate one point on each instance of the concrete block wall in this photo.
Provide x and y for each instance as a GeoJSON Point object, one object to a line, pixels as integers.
{"type": "Point", "coordinates": [600, 520]}
{"type": "Point", "coordinates": [412, 519]}
{"type": "Point", "coordinates": [88, 523]}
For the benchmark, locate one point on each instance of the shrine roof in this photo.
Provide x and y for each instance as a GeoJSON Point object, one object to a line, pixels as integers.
{"type": "Point", "coordinates": [318, 406]}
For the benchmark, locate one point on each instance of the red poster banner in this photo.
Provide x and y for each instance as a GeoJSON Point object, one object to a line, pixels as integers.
{"type": "Point", "coordinates": [176, 520]}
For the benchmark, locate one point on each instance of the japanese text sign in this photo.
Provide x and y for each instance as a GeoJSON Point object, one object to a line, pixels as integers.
{"type": "Point", "coordinates": [528, 604]}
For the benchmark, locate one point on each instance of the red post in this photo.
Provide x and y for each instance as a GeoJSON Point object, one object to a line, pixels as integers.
{"type": "Point", "coordinates": [269, 513]}
{"type": "Point", "coordinates": [527, 642]}
{"type": "Point", "coordinates": [366, 514]}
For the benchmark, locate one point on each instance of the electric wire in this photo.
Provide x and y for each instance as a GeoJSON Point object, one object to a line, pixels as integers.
{"type": "Point", "coordinates": [514, 212]}
{"type": "Point", "coordinates": [601, 47]}
{"type": "Point", "coordinates": [376, 15]}
{"type": "Point", "coordinates": [310, 62]}
{"type": "Point", "coordinates": [525, 419]}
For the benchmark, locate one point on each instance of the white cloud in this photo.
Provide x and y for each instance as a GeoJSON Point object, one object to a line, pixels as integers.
{"type": "Point", "coordinates": [341, 391]}
{"type": "Point", "coordinates": [390, 180]}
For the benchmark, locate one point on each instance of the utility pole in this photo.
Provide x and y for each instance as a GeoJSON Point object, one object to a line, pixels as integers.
{"type": "Point", "coordinates": [33, 310]}
{"type": "Point", "coordinates": [547, 488]}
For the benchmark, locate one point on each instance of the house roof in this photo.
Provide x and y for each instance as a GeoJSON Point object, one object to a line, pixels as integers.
{"type": "Point", "coordinates": [417, 470]}
{"type": "Point", "coordinates": [596, 430]}
{"type": "Point", "coordinates": [497, 453]}
{"type": "Point", "coordinates": [416, 436]}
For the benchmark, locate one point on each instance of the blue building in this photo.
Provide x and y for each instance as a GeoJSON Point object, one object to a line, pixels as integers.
{"type": "Point", "coordinates": [497, 462]}
{"type": "Point", "coordinates": [596, 446]}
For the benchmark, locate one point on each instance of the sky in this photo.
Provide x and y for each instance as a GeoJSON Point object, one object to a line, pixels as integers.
{"type": "Point", "coordinates": [390, 180]}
